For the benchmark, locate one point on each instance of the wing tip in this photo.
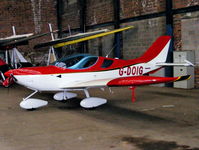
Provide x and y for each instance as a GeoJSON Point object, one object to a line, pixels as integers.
{"type": "Point", "coordinates": [181, 78]}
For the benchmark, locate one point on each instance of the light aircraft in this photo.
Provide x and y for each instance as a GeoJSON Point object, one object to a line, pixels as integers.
{"type": "Point", "coordinates": [83, 71]}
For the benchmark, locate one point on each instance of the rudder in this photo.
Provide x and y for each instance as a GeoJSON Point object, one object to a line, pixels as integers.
{"type": "Point", "coordinates": [157, 52]}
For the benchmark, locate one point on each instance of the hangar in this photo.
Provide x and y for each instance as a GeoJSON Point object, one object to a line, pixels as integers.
{"type": "Point", "coordinates": [161, 118]}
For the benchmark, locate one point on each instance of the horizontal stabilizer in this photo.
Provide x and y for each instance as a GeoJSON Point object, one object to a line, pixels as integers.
{"type": "Point", "coordinates": [144, 80]}
{"type": "Point", "coordinates": [186, 63]}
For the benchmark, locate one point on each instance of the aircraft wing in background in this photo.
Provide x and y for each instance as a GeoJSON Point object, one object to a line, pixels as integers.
{"type": "Point", "coordinates": [80, 38]}
{"type": "Point", "coordinates": [4, 41]}
{"type": "Point", "coordinates": [18, 40]}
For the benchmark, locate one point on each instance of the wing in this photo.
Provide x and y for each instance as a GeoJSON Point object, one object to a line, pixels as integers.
{"type": "Point", "coordinates": [80, 38]}
{"type": "Point", "coordinates": [4, 41]}
{"type": "Point", "coordinates": [69, 38]}
{"type": "Point", "coordinates": [21, 40]}
{"type": "Point", "coordinates": [91, 37]}
{"type": "Point", "coordinates": [125, 81]}
{"type": "Point", "coordinates": [144, 80]}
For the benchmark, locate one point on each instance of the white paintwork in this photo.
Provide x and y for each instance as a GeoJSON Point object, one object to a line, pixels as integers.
{"type": "Point", "coordinates": [162, 56]}
{"type": "Point", "coordinates": [64, 96]}
{"type": "Point", "coordinates": [19, 55]}
{"type": "Point", "coordinates": [32, 103]}
{"type": "Point", "coordinates": [92, 102]}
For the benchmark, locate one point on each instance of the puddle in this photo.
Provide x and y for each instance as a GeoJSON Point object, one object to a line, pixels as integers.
{"type": "Point", "coordinates": [148, 144]}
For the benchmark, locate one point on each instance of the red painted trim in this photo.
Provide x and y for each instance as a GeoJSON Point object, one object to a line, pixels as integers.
{"type": "Point", "coordinates": [153, 51]}
{"type": "Point", "coordinates": [140, 80]}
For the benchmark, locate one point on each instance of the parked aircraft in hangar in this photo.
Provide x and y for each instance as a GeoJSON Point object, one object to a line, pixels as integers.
{"type": "Point", "coordinates": [83, 71]}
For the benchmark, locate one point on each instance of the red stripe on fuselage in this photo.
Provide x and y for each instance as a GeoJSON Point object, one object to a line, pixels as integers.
{"type": "Point", "coordinates": [118, 63]}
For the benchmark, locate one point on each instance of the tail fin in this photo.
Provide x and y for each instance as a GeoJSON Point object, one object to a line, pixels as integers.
{"type": "Point", "coordinates": [157, 52]}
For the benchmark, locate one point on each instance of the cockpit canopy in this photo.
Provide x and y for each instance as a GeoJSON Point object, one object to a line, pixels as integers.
{"type": "Point", "coordinates": [78, 61]}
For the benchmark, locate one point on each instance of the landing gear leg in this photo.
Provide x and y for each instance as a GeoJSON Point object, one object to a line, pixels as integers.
{"type": "Point", "coordinates": [32, 103]}
{"type": "Point", "coordinates": [60, 96]}
{"type": "Point", "coordinates": [86, 93]}
{"type": "Point", "coordinates": [133, 99]}
{"type": "Point", "coordinates": [24, 99]}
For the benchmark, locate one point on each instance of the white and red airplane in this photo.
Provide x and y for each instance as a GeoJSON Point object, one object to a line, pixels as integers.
{"type": "Point", "coordinates": [82, 71]}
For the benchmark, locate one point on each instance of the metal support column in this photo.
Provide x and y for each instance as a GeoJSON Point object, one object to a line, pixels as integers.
{"type": "Point", "coordinates": [83, 45]}
{"type": "Point", "coordinates": [60, 6]}
{"type": "Point", "coordinates": [118, 36]}
{"type": "Point", "coordinates": [169, 31]}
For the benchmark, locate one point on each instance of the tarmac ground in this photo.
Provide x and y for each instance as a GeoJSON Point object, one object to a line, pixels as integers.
{"type": "Point", "coordinates": [160, 119]}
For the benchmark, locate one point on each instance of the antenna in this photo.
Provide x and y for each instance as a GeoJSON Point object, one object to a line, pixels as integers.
{"type": "Point", "coordinates": [69, 30]}
{"type": "Point", "coordinates": [13, 30]}
{"type": "Point", "coordinates": [111, 50]}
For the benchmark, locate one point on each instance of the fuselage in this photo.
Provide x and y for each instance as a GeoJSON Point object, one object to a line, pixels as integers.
{"type": "Point", "coordinates": [81, 71]}
{"type": "Point", "coordinates": [53, 78]}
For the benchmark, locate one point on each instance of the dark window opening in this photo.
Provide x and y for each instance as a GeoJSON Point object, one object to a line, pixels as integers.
{"type": "Point", "coordinates": [90, 62]}
{"type": "Point", "coordinates": [107, 63]}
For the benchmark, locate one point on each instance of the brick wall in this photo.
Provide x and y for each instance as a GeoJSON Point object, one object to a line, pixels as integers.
{"type": "Point", "coordinates": [99, 11]}
{"type": "Point", "coordinates": [184, 3]}
{"type": "Point", "coordinates": [28, 16]}
{"type": "Point", "coordinates": [182, 33]}
{"type": "Point", "coordinates": [70, 15]}
{"type": "Point", "coordinates": [102, 45]}
{"type": "Point", "coordinates": [132, 8]}
{"type": "Point", "coordinates": [136, 41]}
{"type": "Point", "coordinates": [178, 18]}
{"type": "Point", "coordinates": [189, 37]}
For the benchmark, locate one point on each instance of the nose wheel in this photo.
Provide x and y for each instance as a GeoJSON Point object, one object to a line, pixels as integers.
{"type": "Point", "coordinates": [64, 96]}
